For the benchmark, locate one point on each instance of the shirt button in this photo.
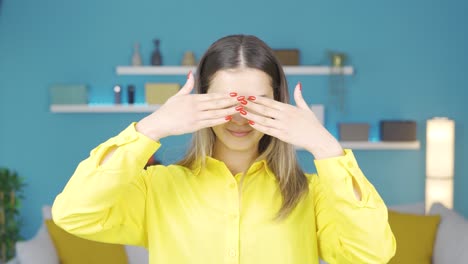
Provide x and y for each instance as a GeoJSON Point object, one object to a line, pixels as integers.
{"type": "Point", "coordinates": [234, 216]}
{"type": "Point", "coordinates": [232, 185]}
{"type": "Point", "coordinates": [350, 164]}
{"type": "Point", "coordinates": [232, 253]}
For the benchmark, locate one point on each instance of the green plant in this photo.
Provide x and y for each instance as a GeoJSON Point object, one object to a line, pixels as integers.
{"type": "Point", "coordinates": [11, 194]}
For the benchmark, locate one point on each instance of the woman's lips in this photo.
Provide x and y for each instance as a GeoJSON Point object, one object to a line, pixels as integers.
{"type": "Point", "coordinates": [240, 133]}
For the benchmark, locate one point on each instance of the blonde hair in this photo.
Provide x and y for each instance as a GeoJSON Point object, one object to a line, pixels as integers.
{"type": "Point", "coordinates": [244, 51]}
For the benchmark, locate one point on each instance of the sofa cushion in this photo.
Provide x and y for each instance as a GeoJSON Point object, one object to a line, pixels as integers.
{"type": "Point", "coordinates": [411, 208]}
{"type": "Point", "coordinates": [75, 250]}
{"type": "Point", "coordinates": [137, 255]}
{"type": "Point", "coordinates": [38, 250]}
{"type": "Point", "coordinates": [452, 236]}
{"type": "Point", "coordinates": [415, 235]}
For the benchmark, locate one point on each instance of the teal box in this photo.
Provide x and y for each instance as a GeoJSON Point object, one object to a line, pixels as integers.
{"type": "Point", "coordinates": [68, 94]}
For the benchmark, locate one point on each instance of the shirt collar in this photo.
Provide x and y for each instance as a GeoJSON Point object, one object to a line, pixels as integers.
{"type": "Point", "coordinates": [213, 164]}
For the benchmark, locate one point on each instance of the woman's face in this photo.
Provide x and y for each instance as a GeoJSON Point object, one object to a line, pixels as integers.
{"type": "Point", "coordinates": [237, 134]}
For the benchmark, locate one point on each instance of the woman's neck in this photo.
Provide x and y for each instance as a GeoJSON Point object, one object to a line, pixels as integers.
{"type": "Point", "coordinates": [236, 161]}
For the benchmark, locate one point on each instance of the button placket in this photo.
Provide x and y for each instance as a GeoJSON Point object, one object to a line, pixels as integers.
{"type": "Point", "coordinates": [232, 223]}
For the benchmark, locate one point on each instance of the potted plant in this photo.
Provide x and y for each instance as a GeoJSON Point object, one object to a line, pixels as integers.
{"type": "Point", "coordinates": [11, 194]}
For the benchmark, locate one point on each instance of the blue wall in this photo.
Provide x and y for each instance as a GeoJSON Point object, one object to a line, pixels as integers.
{"type": "Point", "coordinates": [410, 59]}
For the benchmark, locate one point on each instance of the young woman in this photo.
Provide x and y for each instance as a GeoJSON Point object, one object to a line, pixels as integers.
{"type": "Point", "coordinates": [239, 195]}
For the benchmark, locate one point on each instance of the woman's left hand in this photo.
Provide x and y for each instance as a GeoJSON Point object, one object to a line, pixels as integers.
{"type": "Point", "coordinates": [296, 125]}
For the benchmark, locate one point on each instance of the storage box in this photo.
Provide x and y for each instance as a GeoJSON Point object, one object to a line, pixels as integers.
{"type": "Point", "coordinates": [354, 131]}
{"type": "Point", "coordinates": [68, 94]}
{"type": "Point", "coordinates": [287, 56]}
{"type": "Point", "coordinates": [399, 130]}
{"type": "Point", "coordinates": [158, 93]}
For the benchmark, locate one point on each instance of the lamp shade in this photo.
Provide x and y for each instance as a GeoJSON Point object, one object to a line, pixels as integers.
{"type": "Point", "coordinates": [439, 190]}
{"type": "Point", "coordinates": [440, 151]}
{"type": "Point", "coordinates": [440, 144]}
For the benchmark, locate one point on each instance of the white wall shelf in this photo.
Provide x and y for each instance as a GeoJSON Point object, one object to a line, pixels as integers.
{"type": "Point", "coordinates": [369, 145]}
{"type": "Point", "coordinates": [372, 145]}
{"type": "Point", "coordinates": [142, 108]}
{"type": "Point", "coordinates": [183, 70]}
{"type": "Point", "coordinates": [137, 108]}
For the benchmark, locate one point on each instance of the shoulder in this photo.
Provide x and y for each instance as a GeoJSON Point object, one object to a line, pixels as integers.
{"type": "Point", "coordinates": [172, 170]}
{"type": "Point", "coordinates": [312, 179]}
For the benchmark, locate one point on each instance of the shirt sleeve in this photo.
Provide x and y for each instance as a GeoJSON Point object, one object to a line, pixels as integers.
{"type": "Point", "coordinates": [349, 230]}
{"type": "Point", "coordinates": [106, 202]}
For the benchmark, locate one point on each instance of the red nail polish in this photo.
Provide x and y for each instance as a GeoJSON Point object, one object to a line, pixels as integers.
{"type": "Point", "coordinates": [244, 102]}
{"type": "Point", "coordinates": [188, 75]}
{"type": "Point", "coordinates": [240, 98]}
{"type": "Point", "coordinates": [251, 98]}
{"type": "Point", "coordinates": [251, 122]}
{"type": "Point", "coordinates": [243, 112]}
{"type": "Point", "coordinates": [240, 107]}
{"type": "Point", "coordinates": [228, 118]}
{"type": "Point", "coordinates": [232, 94]}
{"type": "Point", "coordinates": [300, 86]}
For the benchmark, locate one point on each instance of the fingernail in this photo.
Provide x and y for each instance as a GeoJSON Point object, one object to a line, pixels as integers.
{"type": "Point", "coordinates": [243, 112]}
{"type": "Point", "coordinates": [251, 98]}
{"type": "Point", "coordinates": [251, 122]}
{"type": "Point", "coordinates": [228, 118]}
{"type": "Point", "coordinates": [300, 86]}
{"type": "Point", "coordinates": [240, 107]}
{"type": "Point", "coordinates": [188, 75]}
{"type": "Point", "coordinates": [240, 98]}
{"type": "Point", "coordinates": [232, 94]}
{"type": "Point", "coordinates": [244, 102]}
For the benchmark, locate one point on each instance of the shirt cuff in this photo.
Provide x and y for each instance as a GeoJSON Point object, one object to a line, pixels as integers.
{"type": "Point", "coordinates": [141, 146]}
{"type": "Point", "coordinates": [337, 175]}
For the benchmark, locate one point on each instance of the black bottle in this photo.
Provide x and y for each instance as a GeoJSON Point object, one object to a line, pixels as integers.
{"type": "Point", "coordinates": [156, 58]}
{"type": "Point", "coordinates": [131, 94]}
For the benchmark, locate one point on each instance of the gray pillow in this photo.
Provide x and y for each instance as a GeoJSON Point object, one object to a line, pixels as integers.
{"type": "Point", "coordinates": [413, 208]}
{"type": "Point", "coordinates": [451, 244]}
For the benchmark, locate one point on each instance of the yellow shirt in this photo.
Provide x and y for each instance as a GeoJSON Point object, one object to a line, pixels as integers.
{"type": "Point", "coordinates": [197, 216]}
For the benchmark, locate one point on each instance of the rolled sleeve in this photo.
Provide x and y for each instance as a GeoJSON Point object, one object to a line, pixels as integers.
{"type": "Point", "coordinates": [107, 202]}
{"type": "Point", "coordinates": [141, 147]}
{"type": "Point", "coordinates": [349, 230]}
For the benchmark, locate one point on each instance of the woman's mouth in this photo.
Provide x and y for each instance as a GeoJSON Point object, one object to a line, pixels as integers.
{"type": "Point", "coordinates": [239, 133]}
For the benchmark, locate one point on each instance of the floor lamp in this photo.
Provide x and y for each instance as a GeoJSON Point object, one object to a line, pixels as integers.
{"type": "Point", "coordinates": [440, 155]}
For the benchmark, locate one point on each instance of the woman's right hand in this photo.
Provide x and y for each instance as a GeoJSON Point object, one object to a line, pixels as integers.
{"type": "Point", "coordinates": [186, 113]}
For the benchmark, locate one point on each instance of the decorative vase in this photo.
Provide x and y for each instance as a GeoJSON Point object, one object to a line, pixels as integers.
{"type": "Point", "coordinates": [189, 59]}
{"type": "Point", "coordinates": [156, 57]}
{"type": "Point", "coordinates": [136, 57]}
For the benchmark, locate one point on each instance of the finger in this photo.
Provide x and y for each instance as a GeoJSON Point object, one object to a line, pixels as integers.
{"type": "Point", "coordinates": [217, 104]}
{"type": "Point", "coordinates": [262, 120]}
{"type": "Point", "coordinates": [268, 102]}
{"type": "Point", "coordinates": [265, 129]}
{"type": "Point", "coordinates": [188, 86]}
{"type": "Point", "coordinates": [211, 122]}
{"type": "Point", "coordinates": [215, 114]}
{"type": "Point", "coordinates": [300, 102]}
{"type": "Point", "coordinates": [264, 110]}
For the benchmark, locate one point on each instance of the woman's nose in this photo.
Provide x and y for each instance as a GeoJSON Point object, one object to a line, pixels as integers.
{"type": "Point", "coordinates": [239, 119]}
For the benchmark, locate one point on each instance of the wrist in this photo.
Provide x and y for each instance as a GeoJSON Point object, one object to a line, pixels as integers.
{"type": "Point", "coordinates": [328, 147]}
{"type": "Point", "coordinates": [147, 130]}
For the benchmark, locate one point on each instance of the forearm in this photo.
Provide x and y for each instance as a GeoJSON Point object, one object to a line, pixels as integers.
{"type": "Point", "coordinates": [95, 188]}
{"type": "Point", "coordinates": [357, 228]}
{"type": "Point", "coordinates": [141, 128]}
